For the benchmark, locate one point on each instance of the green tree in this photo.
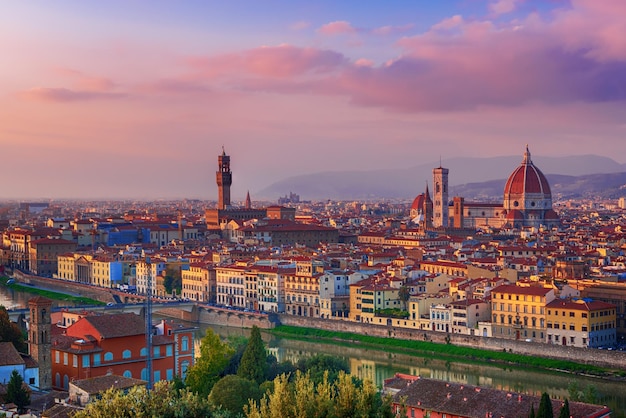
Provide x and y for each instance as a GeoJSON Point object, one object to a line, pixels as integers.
{"type": "Point", "coordinates": [173, 279]}
{"type": "Point", "coordinates": [574, 391]}
{"type": "Point", "coordinates": [11, 332]}
{"type": "Point", "coordinates": [545, 407]}
{"type": "Point", "coordinates": [564, 412]}
{"type": "Point", "coordinates": [163, 401]}
{"type": "Point", "coordinates": [253, 364]}
{"type": "Point", "coordinates": [319, 364]}
{"type": "Point", "coordinates": [232, 393]}
{"type": "Point", "coordinates": [590, 394]}
{"type": "Point", "coordinates": [532, 411]}
{"type": "Point", "coordinates": [577, 394]}
{"type": "Point", "coordinates": [239, 345]}
{"type": "Point", "coordinates": [302, 398]}
{"type": "Point", "coordinates": [404, 294]}
{"type": "Point", "coordinates": [17, 393]}
{"type": "Point", "coordinates": [214, 357]}
{"type": "Point", "coordinates": [276, 369]}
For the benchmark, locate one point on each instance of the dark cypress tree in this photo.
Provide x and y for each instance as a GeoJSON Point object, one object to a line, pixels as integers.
{"type": "Point", "coordinates": [16, 392]}
{"type": "Point", "coordinates": [253, 364]}
{"type": "Point", "coordinates": [564, 413]}
{"type": "Point", "coordinates": [532, 411]}
{"type": "Point", "coordinates": [545, 407]}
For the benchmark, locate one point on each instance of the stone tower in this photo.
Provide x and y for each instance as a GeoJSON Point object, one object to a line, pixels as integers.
{"type": "Point", "coordinates": [440, 195]}
{"type": "Point", "coordinates": [428, 210]}
{"type": "Point", "coordinates": [248, 204]}
{"type": "Point", "coordinates": [224, 178]}
{"type": "Point", "coordinates": [39, 338]}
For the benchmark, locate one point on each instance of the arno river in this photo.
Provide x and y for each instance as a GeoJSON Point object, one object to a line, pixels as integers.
{"type": "Point", "coordinates": [379, 365]}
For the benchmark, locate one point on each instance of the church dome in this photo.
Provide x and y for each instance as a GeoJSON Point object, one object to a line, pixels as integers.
{"type": "Point", "coordinates": [527, 178]}
{"type": "Point", "coordinates": [418, 203]}
{"type": "Point", "coordinates": [527, 187]}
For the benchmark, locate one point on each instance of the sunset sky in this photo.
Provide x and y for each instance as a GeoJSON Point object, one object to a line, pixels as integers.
{"type": "Point", "coordinates": [135, 99]}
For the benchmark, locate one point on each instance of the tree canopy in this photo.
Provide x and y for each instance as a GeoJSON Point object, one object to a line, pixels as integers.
{"type": "Point", "coordinates": [253, 364]}
{"type": "Point", "coordinates": [17, 393]}
{"type": "Point", "coordinates": [545, 407]}
{"type": "Point", "coordinates": [564, 412]}
{"type": "Point", "coordinates": [215, 356]}
{"type": "Point", "coordinates": [11, 332]}
{"type": "Point", "coordinates": [163, 401]}
{"type": "Point", "coordinates": [232, 393]}
{"type": "Point", "coordinates": [319, 364]}
{"type": "Point", "coordinates": [303, 398]}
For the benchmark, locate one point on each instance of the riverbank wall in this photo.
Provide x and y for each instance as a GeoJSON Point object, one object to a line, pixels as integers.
{"type": "Point", "coordinates": [602, 358]}
{"type": "Point", "coordinates": [62, 286]}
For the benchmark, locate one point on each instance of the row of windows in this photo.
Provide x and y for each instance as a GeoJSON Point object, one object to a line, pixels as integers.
{"type": "Point", "coordinates": [525, 298]}
{"type": "Point", "coordinates": [509, 308]}
{"type": "Point", "coordinates": [95, 359]}
{"type": "Point", "coordinates": [229, 290]}
{"type": "Point", "coordinates": [518, 321]}
{"type": "Point", "coordinates": [292, 298]}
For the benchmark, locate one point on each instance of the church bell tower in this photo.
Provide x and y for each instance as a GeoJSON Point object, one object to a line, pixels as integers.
{"type": "Point", "coordinates": [39, 338]}
{"type": "Point", "coordinates": [440, 183]}
{"type": "Point", "coordinates": [224, 179]}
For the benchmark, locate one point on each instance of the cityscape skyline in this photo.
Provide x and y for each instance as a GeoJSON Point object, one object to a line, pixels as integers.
{"type": "Point", "coordinates": [135, 100]}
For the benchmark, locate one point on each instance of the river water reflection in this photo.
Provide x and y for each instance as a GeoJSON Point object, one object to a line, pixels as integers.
{"type": "Point", "coordinates": [16, 299]}
{"type": "Point", "coordinates": [378, 366]}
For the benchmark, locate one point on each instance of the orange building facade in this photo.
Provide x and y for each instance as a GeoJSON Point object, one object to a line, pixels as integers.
{"type": "Point", "coordinates": [98, 345]}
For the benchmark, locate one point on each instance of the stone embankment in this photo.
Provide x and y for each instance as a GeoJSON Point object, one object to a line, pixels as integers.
{"type": "Point", "coordinates": [602, 358]}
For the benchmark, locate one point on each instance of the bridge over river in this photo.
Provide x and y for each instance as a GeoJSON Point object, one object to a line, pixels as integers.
{"type": "Point", "coordinates": [182, 310]}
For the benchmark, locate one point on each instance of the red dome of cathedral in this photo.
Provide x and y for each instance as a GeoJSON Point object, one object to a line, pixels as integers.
{"type": "Point", "coordinates": [418, 203]}
{"type": "Point", "coordinates": [527, 179]}
{"type": "Point", "coordinates": [527, 188]}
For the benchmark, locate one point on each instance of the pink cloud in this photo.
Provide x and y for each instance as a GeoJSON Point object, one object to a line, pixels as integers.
{"type": "Point", "coordinates": [84, 81]}
{"type": "Point", "coordinates": [391, 30]}
{"type": "Point", "coordinates": [273, 62]}
{"type": "Point", "coordinates": [363, 62]}
{"type": "Point", "coordinates": [337, 28]}
{"type": "Point", "coordinates": [449, 23]}
{"type": "Point", "coordinates": [66, 95]}
{"type": "Point", "coordinates": [596, 26]}
{"type": "Point", "coordinates": [500, 7]}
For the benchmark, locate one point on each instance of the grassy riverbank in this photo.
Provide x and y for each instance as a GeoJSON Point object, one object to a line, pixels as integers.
{"type": "Point", "coordinates": [50, 294]}
{"type": "Point", "coordinates": [430, 349]}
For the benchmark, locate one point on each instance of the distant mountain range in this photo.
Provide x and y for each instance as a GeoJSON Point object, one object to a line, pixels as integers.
{"type": "Point", "coordinates": [473, 178]}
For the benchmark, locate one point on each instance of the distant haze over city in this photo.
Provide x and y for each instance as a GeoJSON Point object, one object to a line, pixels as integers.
{"type": "Point", "coordinates": [104, 100]}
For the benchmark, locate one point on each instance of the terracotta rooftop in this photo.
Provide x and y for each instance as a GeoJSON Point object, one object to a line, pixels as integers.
{"type": "Point", "coordinates": [116, 325]}
{"type": "Point", "coordinates": [99, 384]}
{"type": "Point", "coordinates": [456, 399]}
{"type": "Point", "coordinates": [9, 355]}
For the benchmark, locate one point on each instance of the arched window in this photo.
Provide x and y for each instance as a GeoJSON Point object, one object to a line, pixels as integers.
{"type": "Point", "coordinates": [144, 374]}
{"type": "Point", "coordinates": [66, 382]}
{"type": "Point", "coordinates": [126, 354]}
{"type": "Point", "coordinates": [108, 356]}
{"type": "Point", "coordinates": [185, 344]}
{"type": "Point", "coordinates": [183, 368]}
{"type": "Point", "coordinates": [57, 380]}
{"type": "Point", "coordinates": [127, 373]}
{"type": "Point", "coordinates": [143, 352]}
